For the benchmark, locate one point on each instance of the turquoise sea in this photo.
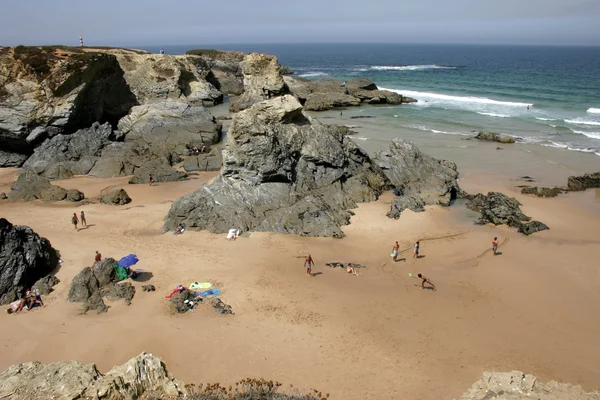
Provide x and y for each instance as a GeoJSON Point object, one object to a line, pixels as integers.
{"type": "Point", "coordinates": [544, 95]}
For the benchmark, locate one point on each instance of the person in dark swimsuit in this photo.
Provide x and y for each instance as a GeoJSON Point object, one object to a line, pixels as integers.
{"type": "Point", "coordinates": [75, 221]}
{"type": "Point", "coordinates": [83, 220]}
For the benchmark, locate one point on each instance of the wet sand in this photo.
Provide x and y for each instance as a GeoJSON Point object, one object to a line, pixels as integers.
{"type": "Point", "coordinates": [535, 307]}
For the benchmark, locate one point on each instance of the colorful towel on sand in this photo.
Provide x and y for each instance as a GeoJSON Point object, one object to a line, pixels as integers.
{"type": "Point", "coordinates": [202, 285]}
{"type": "Point", "coordinates": [211, 292]}
{"type": "Point", "coordinates": [121, 272]}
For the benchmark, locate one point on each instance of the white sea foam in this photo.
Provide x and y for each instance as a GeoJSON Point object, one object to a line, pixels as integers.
{"type": "Point", "coordinates": [446, 98]}
{"type": "Point", "coordinates": [594, 110]}
{"type": "Point", "coordinates": [359, 138]}
{"type": "Point", "coordinates": [313, 74]}
{"type": "Point", "coordinates": [546, 119]}
{"type": "Point", "coordinates": [426, 129]}
{"type": "Point", "coordinates": [408, 67]}
{"type": "Point", "coordinates": [571, 147]}
{"type": "Point", "coordinates": [592, 135]}
{"type": "Point", "coordinates": [494, 115]}
{"type": "Point", "coordinates": [580, 121]}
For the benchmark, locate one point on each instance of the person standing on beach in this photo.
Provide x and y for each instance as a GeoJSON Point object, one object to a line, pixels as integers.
{"type": "Point", "coordinates": [424, 280]}
{"type": "Point", "coordinates": [395, 251]}
{"type": "Point", "coordinates": [495, 246]}
{"type": "Point", "coordinates": [75, 221]}
{"type": "Point", "coordinates": [308, 263]}
{"type": "Point", "coordinates": [416, 249]}
{"type": "Point", "coordinates": [83, 221]}
{"type": "Point", "coordinates": [150, 179]}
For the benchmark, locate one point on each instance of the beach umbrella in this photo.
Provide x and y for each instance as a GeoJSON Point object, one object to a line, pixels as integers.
{"type": "Point", "coordinates": [128, 261]}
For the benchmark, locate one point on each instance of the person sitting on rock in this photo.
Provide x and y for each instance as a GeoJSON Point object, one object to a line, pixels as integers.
{"type": "Point", "coordinates": [195, 150]}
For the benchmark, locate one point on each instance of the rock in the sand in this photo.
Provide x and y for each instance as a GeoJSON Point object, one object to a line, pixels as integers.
{"type": "Point", "coordinates": [115, 197]}
{"type": "Point", "coordinates": [31, 186]}
{"type": "Point", "coordinates": [144, 375]}
{"type": "Point", "coordinates": [263, 79]}
{"type": "Point", "coordinates": [148, 288]}
{"type": "Point", "coordinates": [178, 301]}
{"type": "Point", "coordinates": [160, 173]}
{"type": "Point", "coordinates": [516, 385]}
{"type": "Point", "coordinates": [212, 161]}
{"type": "Point", "coordinates": [119, 291]}
{"type": "Point", "coordinates": [587, 181]}
{"type": "Point", "coordinates": [86, 289]}
{"type": "Point", "coordinates": [282, 172]}
{"type": "Point", "coordinates": [25, 258]}
{"type": "Point", "coordinates": [419, 178]}
{"type": "Point", "coordinates": [543, 191]}
{"type": "Point", "coordinates": [45, 284]}
{"type": "Point", "coordinates": [494, 137]}
{"type": "Point", "coordinates": [499, 209]}
{"type": "Point", "coordinates": [75, 195]}
{"type": "Point", "coordinates": [104, 271]}
{"type": "Point", "coordinates": [220, 307]}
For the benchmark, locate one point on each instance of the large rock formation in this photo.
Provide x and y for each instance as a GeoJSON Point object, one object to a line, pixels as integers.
{"type": "Point", "coordinates": [516, 385]}
{"type": "Point", "coordinates": [499, 209]}
{"type": "Point", "coordinates": [263, 79]}
{"type": "Point", "coordinates": [225, 70]}
{"type": "Point", "coordinates": [419, 178]}
{"type": "Point", "coordinates": [282, 172]}
{"type": "Point", "coordinates": [142, 377]}
{"type": "Point", "coordinates": [327, 93]}
{"type": "Point", "coordinates": [31, 186]}
{"type": "Point", "coordinates": [25, 257]}
{"type": "Point", "coordinates": [51, 90]}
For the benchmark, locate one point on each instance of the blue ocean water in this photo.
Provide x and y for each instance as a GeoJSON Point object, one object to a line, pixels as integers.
{"type": "Point", "coordinates": [544, 95]}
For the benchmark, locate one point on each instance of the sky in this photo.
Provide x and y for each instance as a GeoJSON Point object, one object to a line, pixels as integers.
{"type": "Point", "coordinates": [168, 22]}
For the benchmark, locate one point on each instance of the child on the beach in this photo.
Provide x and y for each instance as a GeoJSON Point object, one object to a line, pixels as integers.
{"type": "Point", "coordinates": [426, 280]}
{"type": "Point", "coordinates": [395, 251]}
{"type": "Point", "coordinates": [495, 246]}
{"type": "Point", "coordinates": [308, 263]}
{"type": "Point", "coordinates": [416, 250]}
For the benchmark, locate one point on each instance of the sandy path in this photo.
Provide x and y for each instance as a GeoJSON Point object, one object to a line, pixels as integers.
{"type": "Point", "coordinates": [375, 336]}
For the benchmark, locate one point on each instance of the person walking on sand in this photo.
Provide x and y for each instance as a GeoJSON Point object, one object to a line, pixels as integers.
{"type": "Point", "coordinates": [395, 251]}
{"type": "Point", "coordinates": [495, 246]}
{"type": "Point", "coordinates": [308, 263]}
{"type": "Point", "coordinates": [150, 179]}
{"type": "Point", "coordinates": [416, 250]}
{"type": "Point", "coordinates": [75, 221]}
{"type": "Point", "coordinates": [424, 280]}
{"type": "Point", "coordinates": [83, 221]}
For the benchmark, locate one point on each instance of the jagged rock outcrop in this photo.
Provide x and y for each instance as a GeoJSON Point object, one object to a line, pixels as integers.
{"type": "Point", "coordinates": [44, 285]}
{"type": "Point", "coordinates": [225, 70]}
{"type": "Point", "coordinates": [66, 155]}
{"type": "Point", "coordinates": [499, 209]}
{"type": "Point", "coordinates": [543, 191]}
{"type": "Point", "coordinates": [52, 90]}
{"type": "Point", "coordinates": [282, 172]}
{"type": "Point", "coordinates": [115, 197]}
{"type": "Point", "coordinates": [142, 377]}
{"type": "Point", "coordinates": [494, 137]}
{"type": "Point", "coordinates": [13, 160]}
{"type": "Point", "coordinates": [419, 178]}
{"type": "Point", "coordinates": [91, 285]}
{"type": "Point", "coordinates": [211, 161]}
{"type": "Point", "coordinates": [516, 385]}
{"type": "Point", "coordinates": [263, 79]}
{"type": "Point", "coordinates": [25, 257]}
{"type": "Point", "coordinates": [327, 93]}
{"type": "Point", "coordinates": [583, 182]}
{"type": "Point", "coordinates": [31, 186]}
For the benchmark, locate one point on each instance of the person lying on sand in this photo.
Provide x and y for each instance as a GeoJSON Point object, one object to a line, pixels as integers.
{"type": "Point", "coordinates": [17, 306]}
{"type": "Point", "coordinates": [426, 280]}
{"type": "Point", "coordinates": [308, 263]}
{"type": "Point", "coordinates": [352, 271]}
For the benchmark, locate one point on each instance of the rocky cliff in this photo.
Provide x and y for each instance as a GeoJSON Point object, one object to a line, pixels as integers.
{"type": "Point", "coordinates": [283, 172]}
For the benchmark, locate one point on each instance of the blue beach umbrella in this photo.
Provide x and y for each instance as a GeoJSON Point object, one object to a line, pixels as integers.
{"type": "Point", "coordinates": [128, 261]}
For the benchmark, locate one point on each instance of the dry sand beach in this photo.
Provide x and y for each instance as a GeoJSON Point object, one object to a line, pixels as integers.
{"type": "Point", "coordinates": [533, 308]}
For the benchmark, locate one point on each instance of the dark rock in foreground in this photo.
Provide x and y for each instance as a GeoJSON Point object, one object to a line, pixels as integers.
{"type": "Point", "coordinates": [543, 191]}
{"type": "Point", "coordinates": [25, 258]}
{"type": "Point", "coordinates": [282, 172]}
{"type": "Point", "coordinates": [142, 377]}
{"type": "Point", "coordinates": [494, 137]}
{"type": "Point", "coordinates": [115, 197]}
{"type": "Point", "coordinates": [419, 178]}
{"type": "Point", "coordinates": [499, 209]}
{"type": "Point", "coordinates": [587, 181]}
